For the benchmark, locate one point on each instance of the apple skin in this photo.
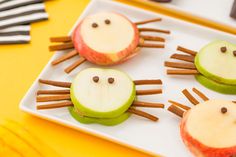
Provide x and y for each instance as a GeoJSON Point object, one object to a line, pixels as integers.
{"type": "Point", "coordinates": [100, 58]}
{"type": "Point", "coordinates": [199, 149]}
{"type": "Point", "coordinates": [208, 74]}
{"type": "Point", "coordinates": [215, 86]}
{"type": "Point", "coordinates": [103, 121]}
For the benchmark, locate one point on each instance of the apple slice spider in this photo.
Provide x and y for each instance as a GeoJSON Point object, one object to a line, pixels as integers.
{"type": "Point", "coordinates": [106, 38]}
{"type": "Point", "coordinates": [99, 95]}
{"type": "Point", "coordinates": [207, 129]}
{"type": "Point", "coordinates": [213, 66]}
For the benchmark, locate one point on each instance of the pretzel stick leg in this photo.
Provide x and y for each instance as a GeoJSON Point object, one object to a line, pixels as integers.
{"type": "Point", "coordinates": [182, 57]}
{"type": "Point", "coordinates": [147, 104]}
{"type": "Point", "coordinates": [39, 92]}
{"type": "Point", "coordinates": [152, 38]}
{"type": "Point", "coordinates": [60, 39]}
{"type": "Point", "coordinates": [182, 72]}
{"type": "Point", "coordinates": [180, 65]}
{"type": "Point", "coordinates": [179, 105]}
{"type": "Point", "coordinates": [154, 30]}
{"type": "Point", "coordinates": [55, 105]}
{"type": "Point", "coordinates": [142, 114]}
{"type": "Point", "coordinates": [75, 64]}
{"type": "Point", "coordinates": [65, 57]}
{"type": "Point", "coordinates": [63, 46]}
{"type": "Point", "coordinates": [149, 92]}
{"type": "Point", "coordinates": [148, 21]}
{"type": "Point", "coordinates": [55, 83]}
{"type": "Point", "coordinates": [185, 50]}
{"type": "Point", "coordinates": [53, 98]}
{"type": "Point", "coordinates": [147, 82]}
{"type": "Point", "coordinates": [149, 45]}
{"type": "Point", "coordinates": [176, 110]}
{"type": "Point", "coordinates": [200, 94]}
{"type": "Point", "coordinates": [190, 97]}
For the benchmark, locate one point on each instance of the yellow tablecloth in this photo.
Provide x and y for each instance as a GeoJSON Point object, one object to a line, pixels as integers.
{"type": "Point", "coordinates": [19, 67]}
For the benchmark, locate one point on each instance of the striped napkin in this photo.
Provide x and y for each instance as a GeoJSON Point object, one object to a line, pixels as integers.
{"type": "Point", "coordinates": [15, 19]}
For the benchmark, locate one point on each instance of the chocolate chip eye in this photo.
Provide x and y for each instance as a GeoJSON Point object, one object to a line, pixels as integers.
{"type": "Point", "coordinates": [223, 49]}
{"type": "Point", "coordinates": [94, 25]}
{"type": "Point", "coordinates": [95, 79]}
{"type": "Point", "coordinates": [111, 80]}
{"type": "Point", "coordinates": [107, 21]}
{"type": "Point", "coordinates": [223, 110]}
{"type": "Point", "coordinates": [234, 53]}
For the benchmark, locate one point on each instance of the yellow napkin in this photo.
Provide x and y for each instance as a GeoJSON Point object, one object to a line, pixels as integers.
{"type": "Point", "coordinates": [17, 141]}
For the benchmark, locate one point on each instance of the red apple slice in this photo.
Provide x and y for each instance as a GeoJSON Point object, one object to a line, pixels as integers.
{"type": "Point", "coordinates": [106, 38]}
{"type": "Point", "coordinates": [209, 129]}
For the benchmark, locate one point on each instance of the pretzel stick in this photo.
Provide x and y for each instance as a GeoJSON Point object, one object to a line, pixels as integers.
{"type": "Point", "coordinates": [53, 98]}
{"type": "Point", "coordinates": [149, 92]}
{"type": "Point", "coordinates": [180, 65]}
{"type": "Point", "coordinates": [182, 57]}
{"type": "Point", "coordinates": [55, 83]}
{"type": "Point", "coordinates": [53, 92]}
{"type": "Point", "coordinates": [55, 105]}
{"type": "Point", "coordinates": [200, 94]}
{"type": "Point", "coordinates": [63, 46]}
{"type": "Point", "coordinates": [148, 21]}
{"type": "Point", "coordinates": [176, 110]}
{"type": "Point", "coordinates": [65, 57]}
{"type": "Point", "coordinates": [75, 64]}
{"type": "Point", "coordinates": [179, 105]}
{"type": "Point", "coordinates": [147, 104]}
{"type": "Point", "coordinates": [152, 38]}
{"type": "Point", "coordinates": [147, 82]}
{"type": "Point", "coordinates": [185, 50]}
{"type": "Point", "coordinates": [234, 101]}
{"type": "Point", "coordinates": [154, 30]}
{"type": "Point", "coordinates": [190, 97]}
{"type": "Point", "coordinates": [60, 39]}
{"type": "Point", "coordinates": [182, 72]}
{"type": "Point", "coordinates": [142, 114]}
{"type": "Point", "coordinates": [148, 45]}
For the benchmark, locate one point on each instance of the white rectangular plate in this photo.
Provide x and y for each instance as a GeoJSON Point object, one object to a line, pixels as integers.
{"type": "Point", "coordinates": [215, 10]}
{"type": "Point", "coordinates": [155, 137]}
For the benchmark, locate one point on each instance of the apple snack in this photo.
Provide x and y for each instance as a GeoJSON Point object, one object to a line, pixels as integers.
{"type": "Point", "coordinates": [106, 38]}
{"type": "Point", "coordinates": [207, 129]}
{"type": "Point", "coordinates": [104, 96]}
{"type": "Point", "coordinates": [213, 66]}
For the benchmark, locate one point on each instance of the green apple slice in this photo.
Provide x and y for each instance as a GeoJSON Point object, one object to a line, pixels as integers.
{"type": "Point", "coordinates": [103, 121]}
{"type": "Point", "coordinates": [213, 85]}
{"type": "Point", "coordinates": [217, 65]}
{"type": "Point", "coordinates": [101, 98]}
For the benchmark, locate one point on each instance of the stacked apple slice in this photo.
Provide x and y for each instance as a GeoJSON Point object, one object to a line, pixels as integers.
{"type": "Point", "coordinates": [209, 129]}
{"type": "Point", "coordinates": [216, 62]}
{"type": "Point", "coordinates": [106, 38]}
{"type": "Point", "coordinates": [101, 96]}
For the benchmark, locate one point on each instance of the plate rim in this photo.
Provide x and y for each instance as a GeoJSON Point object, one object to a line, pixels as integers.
{"type": "Point", "coordinates": [87, 130]}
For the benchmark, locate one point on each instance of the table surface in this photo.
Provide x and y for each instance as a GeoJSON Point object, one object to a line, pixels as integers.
{"type": "Point", "coordinates": [21, 64]}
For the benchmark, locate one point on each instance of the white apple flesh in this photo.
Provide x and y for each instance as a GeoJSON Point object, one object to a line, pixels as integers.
{"type": "Point", "coordinates": [106, 38]}
{"type": "Point", "coordinates": [209, 132]}
{"type": "Point", "coordinates": [101, 98]}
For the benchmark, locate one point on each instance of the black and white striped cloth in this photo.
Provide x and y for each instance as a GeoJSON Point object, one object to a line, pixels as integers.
{"type": "Point", "coordinates": [15, 19]}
